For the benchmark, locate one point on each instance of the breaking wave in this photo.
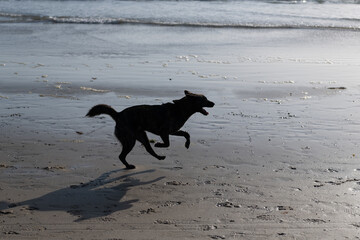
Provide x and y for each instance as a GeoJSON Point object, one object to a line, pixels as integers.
{"type": "Point", "coordinates": [23, 18]}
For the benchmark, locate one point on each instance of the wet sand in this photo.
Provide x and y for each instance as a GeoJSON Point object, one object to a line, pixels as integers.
{"type": "Point", "coordinates": [277, 158]}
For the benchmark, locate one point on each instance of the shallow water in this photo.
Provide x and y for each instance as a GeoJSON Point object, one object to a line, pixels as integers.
{"type": "Point", "coordinates": [239, 14]}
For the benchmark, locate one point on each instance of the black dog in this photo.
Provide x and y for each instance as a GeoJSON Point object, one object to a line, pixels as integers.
{"type": "Point", "coordinates": [162, 120]}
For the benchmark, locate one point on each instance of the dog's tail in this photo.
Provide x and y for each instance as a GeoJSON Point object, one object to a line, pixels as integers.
{"type": "Point", "coordinates": [102, 109]}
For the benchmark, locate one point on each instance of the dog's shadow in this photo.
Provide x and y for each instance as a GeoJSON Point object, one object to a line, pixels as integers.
{"type": "Point", "coordinates": [97, 198]}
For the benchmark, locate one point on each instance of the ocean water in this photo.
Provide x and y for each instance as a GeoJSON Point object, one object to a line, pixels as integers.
{"type": "Point", "coordinates": [142, 43]}
{"type": "Point", "coordinates": [309, 14]}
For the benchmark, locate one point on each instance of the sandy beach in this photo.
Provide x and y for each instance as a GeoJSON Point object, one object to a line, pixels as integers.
{"type": "Point", "coordinates": [276, 158]}
{"type": "Point", "coordinates": [61, 179]}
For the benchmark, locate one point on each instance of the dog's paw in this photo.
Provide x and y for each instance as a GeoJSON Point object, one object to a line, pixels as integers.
{"type": "Point", "coordinates": [130, 166]}
{"type": "Point", "coordinates": [161, 157]}
{"type": "Point", "coordinates": [187, 144]}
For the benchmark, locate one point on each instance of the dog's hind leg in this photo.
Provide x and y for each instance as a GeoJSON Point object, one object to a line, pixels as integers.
{"type": "Point", "coordinates": [183, 134]}
{"type": "Point", "coordinates": [127, 147]}
{"type": "Point", "coordinates": [142, 137]}
{"type": "Point", "coordinates": [128, 143]}
{"type": "Point", "coordinates": [165, 143]}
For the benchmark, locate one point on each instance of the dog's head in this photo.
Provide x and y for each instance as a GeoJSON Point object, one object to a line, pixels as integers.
{"type": "Point", "coordinates": [198, 102]}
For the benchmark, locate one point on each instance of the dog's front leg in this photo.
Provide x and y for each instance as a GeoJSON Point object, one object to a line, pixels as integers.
{"type": "Point", "coordinates": [185, 135]}
{"type": "Point", "coordinates": [166, 142]}
{"type": "Point", "coordinates": [142, 137]}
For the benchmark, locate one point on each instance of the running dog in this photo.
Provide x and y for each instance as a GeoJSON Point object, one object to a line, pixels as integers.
{"type": "Point", "coordinates": [163, 120]}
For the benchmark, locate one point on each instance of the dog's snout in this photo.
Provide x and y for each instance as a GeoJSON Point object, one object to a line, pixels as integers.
{"type": "Point", "coordinates": [211, 104]}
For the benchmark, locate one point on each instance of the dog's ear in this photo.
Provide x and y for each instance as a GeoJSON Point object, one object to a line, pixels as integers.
{"type": "Point", "coordinates": [187, 92]}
